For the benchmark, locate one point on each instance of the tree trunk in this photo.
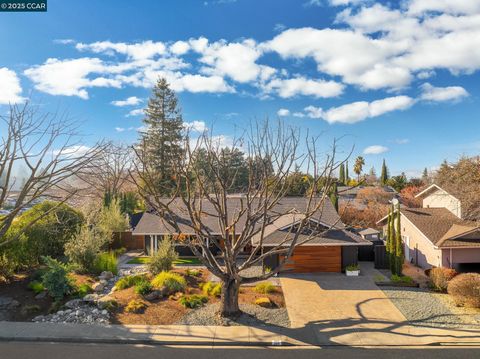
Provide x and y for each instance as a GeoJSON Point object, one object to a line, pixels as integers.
{"type": "Point", "coordinates": [229, 300]}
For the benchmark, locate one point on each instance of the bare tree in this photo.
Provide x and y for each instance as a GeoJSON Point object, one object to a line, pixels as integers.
{"type": "Point", "coordinates": [48, 148]}
{"type": "Point", "coordinates": [203, 194]}
{"type": "Point", "coordinates": [109, 171]}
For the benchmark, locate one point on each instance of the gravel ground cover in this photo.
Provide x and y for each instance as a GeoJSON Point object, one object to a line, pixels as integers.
{"type": "Point", "coordinates": [252, 315]}
{"type": "Point", "coordinates": [421, 306]}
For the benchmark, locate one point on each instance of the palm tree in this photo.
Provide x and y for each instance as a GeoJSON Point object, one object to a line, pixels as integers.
{"type": "Point", "coordinates": [358, 167]}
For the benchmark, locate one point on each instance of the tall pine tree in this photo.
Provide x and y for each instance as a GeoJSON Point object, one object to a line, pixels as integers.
{"type": "Point", "coordinates": [163, 134]}
{"type": "Point", "coordinates": [384, 175]}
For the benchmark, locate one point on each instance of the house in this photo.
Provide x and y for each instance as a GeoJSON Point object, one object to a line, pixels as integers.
{"type": "Point", "coordinates": [354, 196]}
{"type": "Point", "coordinates": [330, 251]}
{"type": "Point", "coordinates": [436, 235]}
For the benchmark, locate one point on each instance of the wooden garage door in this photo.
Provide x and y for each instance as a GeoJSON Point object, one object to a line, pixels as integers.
{"type": "Point", "coordinates": [307, 259]}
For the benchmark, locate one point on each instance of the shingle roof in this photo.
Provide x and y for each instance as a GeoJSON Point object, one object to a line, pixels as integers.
{"type": "Point", "coordinates": [330, 237]}
{"type": "Point", "coordinates": [368, 231]}
{"type": "Point", "coordinates": [151, 223]}
{"type": "Point", "coordinates": [439, 225]}
{"type": "Point", "coordinates": [461, 235]}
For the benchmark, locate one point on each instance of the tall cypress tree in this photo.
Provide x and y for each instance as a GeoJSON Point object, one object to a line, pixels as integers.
{"type": "Point", "coordinates": [347, 179]}
{"type": "Point", "coordinates": [163, 134]}
{"type": "Point", "coordinates": [399, 255]}
{"type": "Point", "coordinates": [334, 195]}
{"type": "Point", "coordinates": [341, 176]}
{"type": "Point", "coordinates": [384, 175]}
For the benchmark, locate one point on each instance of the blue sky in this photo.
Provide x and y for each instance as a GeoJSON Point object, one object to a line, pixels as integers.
{"type": "Point", "coordinates": [399, 82]}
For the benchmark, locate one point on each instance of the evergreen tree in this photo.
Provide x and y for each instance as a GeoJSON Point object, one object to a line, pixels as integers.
{"type": "Point", "coordinates": [399, 255]}
{"type": "Point", "coordinates": [425, 176]}
{"type": "Point", "coordinates": [384, 174]}
{"type": "Point", "coordinates": [334, 195]}
{"type": "Point", "coordinates": [347, 178]}
{"type": "Point", "coordinates": [164, 132]}
{"type": "Point", "coordinates": [341, 176]}
{"type": "Point", "coordinates": [391, 240]}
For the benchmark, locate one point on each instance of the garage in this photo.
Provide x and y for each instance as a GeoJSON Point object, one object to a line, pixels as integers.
{"type": "Point", "coordinates": [308, 259]}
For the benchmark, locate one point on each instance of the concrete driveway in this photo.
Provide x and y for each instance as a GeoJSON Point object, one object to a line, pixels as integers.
{"type": "Point", "coordinates": [326, 297]}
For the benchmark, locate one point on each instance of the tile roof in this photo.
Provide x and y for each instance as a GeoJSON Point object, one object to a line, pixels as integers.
{"type": "Point", "coordinates": [152, 223]}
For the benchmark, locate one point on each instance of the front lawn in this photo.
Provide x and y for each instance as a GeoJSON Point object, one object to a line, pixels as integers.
{"type": "Point", "coordinates": [183, 261]}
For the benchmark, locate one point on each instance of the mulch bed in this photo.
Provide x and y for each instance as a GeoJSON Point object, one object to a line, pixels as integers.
{"type": "Point", "coordinates": [18, 290]}
{"type": "Point", "coordinates": [168, 311]}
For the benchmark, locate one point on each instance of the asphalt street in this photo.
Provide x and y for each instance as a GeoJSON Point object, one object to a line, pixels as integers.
{"type": "Point", "coordinates": [29, 350]}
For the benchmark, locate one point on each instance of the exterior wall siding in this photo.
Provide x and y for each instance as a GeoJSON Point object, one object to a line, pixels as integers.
{"type": "Point", "coordinates": [441, 199]}
{"type": "Point", "coordinates": [421, 251]}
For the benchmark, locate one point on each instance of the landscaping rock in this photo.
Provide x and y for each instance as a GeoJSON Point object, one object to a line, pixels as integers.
{"type": "Point", "coordinates": [98, 287]}
{"type": "Point", "coordinates": [106, 302]}
{"type": "Point", "coordinates": [41, 295]}
{"type": "Point", "coordinates": [85, 314]}
{"type": "Point", "coordinates": [73, 304]}
{"type": "Point", "coordinates": [91, 298]}
{"type": "Point", "coordinates": [105, 275]}
{"type": "Point", "coordinates": [156, 294]}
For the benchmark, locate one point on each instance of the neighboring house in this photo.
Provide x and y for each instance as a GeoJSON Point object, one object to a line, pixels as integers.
{"type": "Point", "coordinates": [349, 195]}
{"type": "Point", "coordinates": [370, 234]}
{"type": "Point", "coordinates": [436, 235]}
{"type": "Point", "coordinates": [330, 252]}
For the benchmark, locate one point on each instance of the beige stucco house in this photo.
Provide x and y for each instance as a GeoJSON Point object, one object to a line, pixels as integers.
{"type": "Point", "coordinates": [436, 235]}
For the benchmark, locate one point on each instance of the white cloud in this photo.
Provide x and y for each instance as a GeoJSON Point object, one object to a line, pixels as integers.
{"type": "Point", "coordinates": [298, 114]}
{"type": "Point", "coordinates": [136, 112]}
{"type": "Point", "coordinates": [441, 94]}
{"type": "Point", "coordinates": [448, 6]}
{"type": "Point", "coordinates": [196, 126]}
{"type": "Point", "coordinates": [142, 50]}
{"type": "Point", "coordinates": [401, 141]}
{"type": "Point", "coordinates": [130, 101]}
{"type": "Point", "coordinates": [119, 129]}
{"type": "Point", "coordinates": [200, 83]}
{"type": "Point", "coordinates": [303, 86]}
{"type": "Point", "coordinates": [70, 77]}
{"type": "Point", "coordinates": [375, 150]}
{"type": "Point", "coordinates": [180, 48]}
{"type": "Point", "coordinates": [236, 60]}
{"type": "Point", "coordinates": [10, 88]}
{"type": "Point", "coordinates": [361, 110]}
{"type": "Point", "coordinates": [283, 112]}
{"type": "Point", "coordinates": [72, 151]}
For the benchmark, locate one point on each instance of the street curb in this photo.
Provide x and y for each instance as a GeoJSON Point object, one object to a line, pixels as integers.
{"type": "Point", "coordinates": [148, 342]}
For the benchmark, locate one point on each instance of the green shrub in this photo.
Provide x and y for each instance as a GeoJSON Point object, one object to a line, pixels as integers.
{"type": "Point", "coordinates": [83, 249]}
{"type": "Point", "coordinates": [265, 288]}
{"type": "Point", "coordinates": [465, 289]}
{"type": "Point", "coordinates": [135, 306]}
{"type": "Point", "coordinates": [352, 267]}
{"type": "Point", "coordinates": [440, 278]}
{"type": "Point", "coordinates": [83, 290]}
{"type": "Point", "coordinates": [174, 282]}
{"type": "Point", "coordinates": [401, 279]}
{"type": "Point", "coordinates": [143, 287]}
{"type": "Point", "coordinates": [213, 289]}
{"type": "Point", "coordinates": [56, 280]}
{"type": "Point", "coordinates": [46, 236]}
{"type": "Point", "coordinates": [119, 251]}
{"type": "Point", "coordinates": [264, 302]}
{"type": "Point", "coordinates": [7, 268]}
{"type": "Point", "coordinates": [162, 260]}
{"type": "Point", "coordinates": [129, 281]}
{"type": "Point", "coordinates": [106, 261]}
{"type": "Point", "coordinates": [193, 272]}
{"type": "Point", "coordinates": [37, 287]}
{"type": "Point", "coordinates": [193, 301]}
